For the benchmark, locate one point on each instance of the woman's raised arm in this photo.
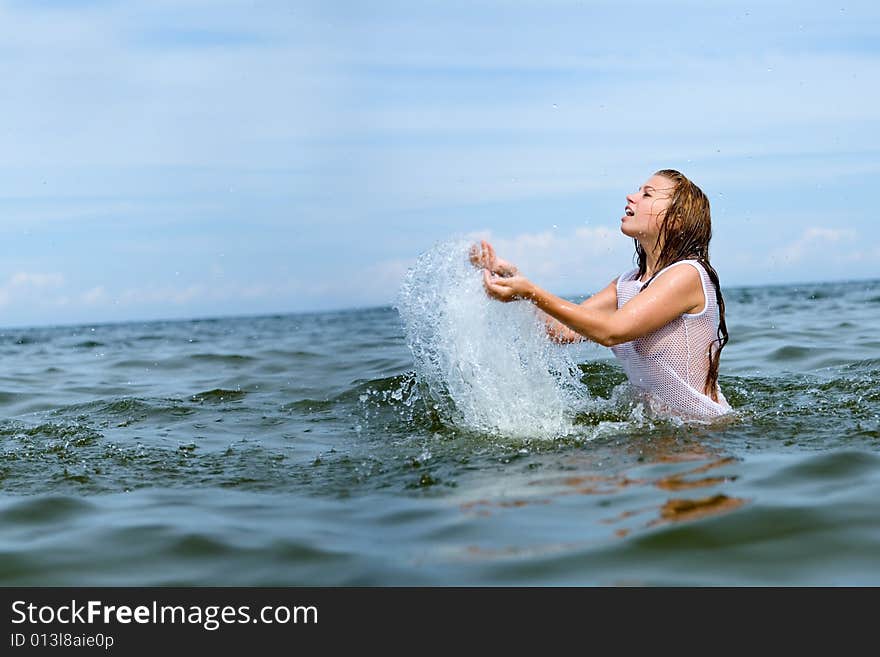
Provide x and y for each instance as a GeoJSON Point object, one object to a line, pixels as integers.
{"type": "Point", "coordinates": [483, 256]}
{"type": "Point", "coordinates": [604, 300]}
{"type": "Point", "coordinates": [675, 292]}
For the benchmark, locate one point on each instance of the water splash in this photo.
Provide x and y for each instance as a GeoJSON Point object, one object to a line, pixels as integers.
{"type": "Point", "coordinates": [482, 365]}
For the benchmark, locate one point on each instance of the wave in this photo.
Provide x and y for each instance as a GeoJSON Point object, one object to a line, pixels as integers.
{"type": "Point", "coordinates": [218, 396]}
{"type": "Point", "coordinates": [221, 358]}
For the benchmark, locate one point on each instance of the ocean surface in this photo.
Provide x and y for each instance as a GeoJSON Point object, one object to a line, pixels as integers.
{"type": "Point", "coordinates": [438, 444]}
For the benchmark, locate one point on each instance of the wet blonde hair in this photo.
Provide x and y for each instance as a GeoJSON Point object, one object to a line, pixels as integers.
{"type": "Point", "coordinates": [685, 233]}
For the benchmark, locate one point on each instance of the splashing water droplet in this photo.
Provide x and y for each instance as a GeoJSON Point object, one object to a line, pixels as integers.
{"type": "Point", "coordinates": [484, 366]}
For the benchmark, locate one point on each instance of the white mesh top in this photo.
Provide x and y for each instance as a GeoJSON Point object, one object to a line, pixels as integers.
{"type": "Point", "coordinates": [668, 367]}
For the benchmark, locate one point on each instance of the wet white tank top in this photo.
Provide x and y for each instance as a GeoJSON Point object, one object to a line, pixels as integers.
{"type": "Point", "coordinates": [668, 367]}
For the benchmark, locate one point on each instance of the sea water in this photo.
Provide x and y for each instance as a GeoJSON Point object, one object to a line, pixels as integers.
{"type": "Point", "coordinates": [438, 441]}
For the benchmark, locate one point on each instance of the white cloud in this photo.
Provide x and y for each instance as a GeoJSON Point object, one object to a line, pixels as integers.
{"type": "Point", "coordinates": [30, 288]}
{"type": "Point", "coordinates": [173, 295]}
{"type": "Point", "coordinates": [373, 284]}
{"type": "Point", "coordinates": [94, 296]}
{"type": "Point", "coordinates": [830, 243]}
{"type": "Point", "coordinates": [871, 256]}
{"type": "Point", "coordinates": [34, 280]}
{"type": "Point", "coordinates": [579, 261]}
{"type": "Point", "coordinates": [387, 274]}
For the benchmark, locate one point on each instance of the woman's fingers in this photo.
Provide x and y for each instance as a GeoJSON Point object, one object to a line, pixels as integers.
{"type": "Point", "coordinates": [484, 256]}
{"type": "Point", "coordinates": [487, 282]}
{"type": "Point", "coordinates": [489, 285]}
{"type": "Point", "coordinates": [488, 256]}
{"type": "Point", "coordinates": [492, 261]}
{"type": "Point", "coordinates": [476, 256]}
{"type": "Point", "coordinates": [497, 288]}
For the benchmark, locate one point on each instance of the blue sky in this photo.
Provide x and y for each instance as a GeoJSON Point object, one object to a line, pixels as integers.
{"type": "Point", "coordinates": [181, 159]}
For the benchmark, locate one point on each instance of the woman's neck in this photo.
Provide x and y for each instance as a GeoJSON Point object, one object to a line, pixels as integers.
{"type": "Point", "coordinates": [651, 258]}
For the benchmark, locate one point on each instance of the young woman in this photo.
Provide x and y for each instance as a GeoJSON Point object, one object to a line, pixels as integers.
{"type": "Point", "coordinates": [664, 320]}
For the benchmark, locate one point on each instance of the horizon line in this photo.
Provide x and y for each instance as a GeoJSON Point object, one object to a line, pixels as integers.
{"type": "Point", "coordinates": [345, 309]}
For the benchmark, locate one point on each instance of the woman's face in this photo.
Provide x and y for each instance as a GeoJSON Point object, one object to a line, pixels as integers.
{"type": "Point", "coordinates": [645, 209]}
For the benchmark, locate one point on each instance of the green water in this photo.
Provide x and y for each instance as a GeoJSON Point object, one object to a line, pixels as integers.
{"type": "Point", "coordinates": [294, 450]}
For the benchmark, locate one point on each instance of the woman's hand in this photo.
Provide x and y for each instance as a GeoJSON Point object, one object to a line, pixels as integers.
{"type": "Point", "coordinates": [506, 288]}
{"type": "Point", "coordinates": [483, 257]}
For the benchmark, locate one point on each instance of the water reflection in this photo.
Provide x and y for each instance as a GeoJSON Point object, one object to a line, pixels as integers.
{"type": "Point", "coordinates": [656, 482]}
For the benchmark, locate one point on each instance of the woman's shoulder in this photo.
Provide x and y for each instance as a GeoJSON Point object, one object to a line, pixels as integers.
{"type": "Point", "coordinates": [695, 265]}
{"type": "Point", "coordinates": [693, 281]}
{"type": "Point", "coordinates": [678, 276]}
